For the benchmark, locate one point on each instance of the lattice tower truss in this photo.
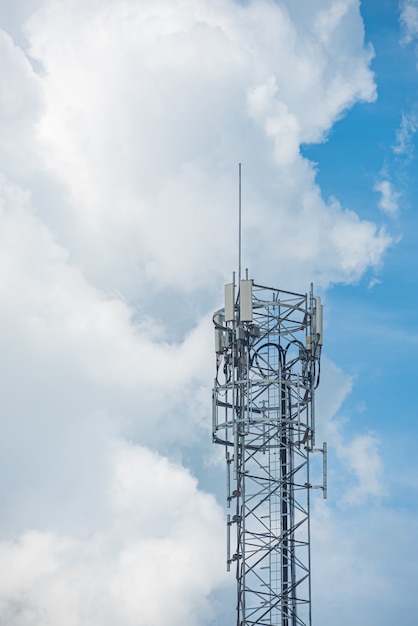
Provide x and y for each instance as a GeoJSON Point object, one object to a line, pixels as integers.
{"type": "Point", "coordinates": [268, 346]}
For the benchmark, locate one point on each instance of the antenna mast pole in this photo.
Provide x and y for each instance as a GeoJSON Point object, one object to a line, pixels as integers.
{"type": "Point", "coordinates": [239, 221]}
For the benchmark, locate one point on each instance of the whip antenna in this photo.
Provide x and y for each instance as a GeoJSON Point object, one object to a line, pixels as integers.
{"type": "Point", "coordinates": [239, 222]}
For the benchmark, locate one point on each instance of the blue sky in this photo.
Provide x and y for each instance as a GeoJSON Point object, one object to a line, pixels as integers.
{"type": "Point", "coordinates": [122, 123]}
{"type": "Point", "coordinates": [373, 329]}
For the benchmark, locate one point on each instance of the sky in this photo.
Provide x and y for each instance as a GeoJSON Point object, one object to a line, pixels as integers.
{"type": "Point", "coordinates": [122, 123]}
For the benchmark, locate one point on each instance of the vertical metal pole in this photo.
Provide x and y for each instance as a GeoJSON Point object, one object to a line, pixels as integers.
{"type": "Point", "coordinates": [313, 366]}
{"type": "Point", "coordinates": [284, 506]}
{"type": "Point", "coordinates": [308, 505]}
{"type": "Point", "coordinates": [324, 470]}
{"type": "Point", "coordinates": [239, 223]}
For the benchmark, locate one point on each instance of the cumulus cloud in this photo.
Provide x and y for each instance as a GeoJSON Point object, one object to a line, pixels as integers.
{"type": "Point", "coordinates": [389, 199]}
{"type": "Point", "coordinates": [364, 461]}
{"type": "Point", "coordinates": [328, 20]}
{"type": "Point", "coordinates": [361, 477]}
{"type": "Point", "coordinates": [359, 550]}
{"type": "Point", "coordinates": [21, 104]}
{"type": "Point", "coordinates": [63, 333]}
{"type": "Point", "coordinates": [409, 20]}
{"type": "Point", "coordinates": [160, 524]}
{"type": "Point", "coordinates": [148, 106]}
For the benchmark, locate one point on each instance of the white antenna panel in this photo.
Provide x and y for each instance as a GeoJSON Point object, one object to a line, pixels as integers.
{"type": "Point", "coordinates": [319, 320]}
{"type": "Point", "coordinates": [230, 302]}
{"type": "Point", "coordinates": [246, 300]}
{"type": "Point", "coordinates": [219, 333]}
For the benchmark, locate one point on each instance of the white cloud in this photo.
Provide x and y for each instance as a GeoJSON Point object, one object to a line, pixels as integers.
{"type": "Point", "coordinates": [20, 99]}
{"type": "Point", "coordinates": [359, 455]}
{"type": "Point", "coordinates": [361, 470]}
{"type": "Point", "coordinates": [279, 124]}
{"type": "Point", "coordinates": [364, 461]}
{"type": "Point", "coordinates": [328, 20]}
{"type": "Point", "coordinates": [162, 536]}
{"type": "Point", "coordinates": [409, 20]}
{"type": "Point", "coordinates": [21, 104]}
{"type": "Point", "coordinates": [404, 136]}
{"type": "Point", "coordinates": [359, 550]}
{"type": "Point", "coordinates": [61, 328]}
{"type": "Point", "coordinates": [389, 200]}
{"type": "Point", "coordinates": [373, 282]}
{"type": "Point", "coordinates": [79, 372]}
{"type": "Point", "coordinates": [148, 109]}
{"type": "Point", "coordinates": [334, 387]}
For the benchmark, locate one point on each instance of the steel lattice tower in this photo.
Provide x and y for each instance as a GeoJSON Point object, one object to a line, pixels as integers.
{"type": "Point", "coordinates": [268, 345]}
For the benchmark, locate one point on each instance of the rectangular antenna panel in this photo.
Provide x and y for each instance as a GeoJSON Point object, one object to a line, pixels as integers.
{"type": "Point", "coordinates": [319, 320]}
{"type": "Point", "coordinates": [230, 302]}
{"type": "Point", "coordinates": [246, 300]}
{"type": "Point", "coordinates": [219, 333]}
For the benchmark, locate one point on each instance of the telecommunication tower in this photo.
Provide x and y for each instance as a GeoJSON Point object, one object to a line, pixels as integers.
{"type": "Point", "coordinates": [268, 347]}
